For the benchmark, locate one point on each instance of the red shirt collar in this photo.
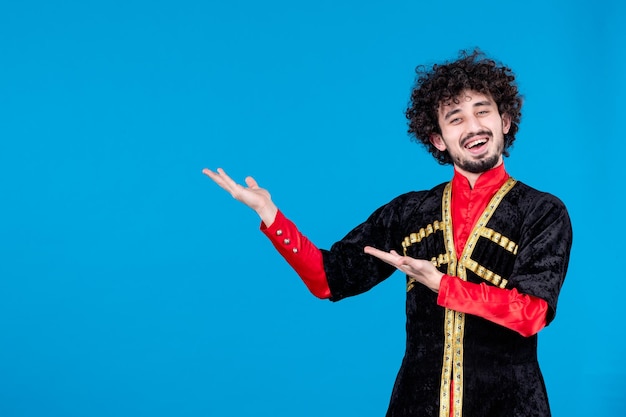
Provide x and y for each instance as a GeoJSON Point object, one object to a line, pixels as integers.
{"type": "Point", "coordinates": [494, 178]}
{"type": "Point", "coordinates": [468, 203]}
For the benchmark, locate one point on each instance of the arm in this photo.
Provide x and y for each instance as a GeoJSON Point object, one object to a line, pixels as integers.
{"type": "Point", "coordinates": [303, 256]}
{"type": "Point", "coordinates": [522, 313]}
{"type": "Point", "coordinates": [529, 303]}
{"type": "Point", "coordinates": [519, 312]}
{"type": "Point", "coordinates": [543, 256]}
{"type": "Point", "coordinates": [340, 272]}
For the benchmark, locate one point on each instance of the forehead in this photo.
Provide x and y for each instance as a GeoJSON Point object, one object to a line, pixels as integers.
{"type": "Point", "coordinates": [466, 98]}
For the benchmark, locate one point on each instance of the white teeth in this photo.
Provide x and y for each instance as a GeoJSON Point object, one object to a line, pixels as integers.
{"type": "Point", "coordinates": [476, 143]}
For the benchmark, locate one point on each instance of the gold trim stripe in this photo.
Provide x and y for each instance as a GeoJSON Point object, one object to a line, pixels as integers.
{"type": "Point", "coordinates": [454, 327]}
{"type": "Point", "coordinates": [485, 273]}
{"type": "Point", "coordinates": [421, 234]}
{"type": "Point", "coordinates": [454, 323]}
{"type": "Point", "coordinates": [446, 369]}
{"type": "Point", "coordinates": [496, 237]}
{"type": "Point", "coordinates": [452, 369]}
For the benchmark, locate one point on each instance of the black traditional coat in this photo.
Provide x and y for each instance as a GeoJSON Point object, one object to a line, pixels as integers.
{"type": "Point", "coordinates": [522, 240]}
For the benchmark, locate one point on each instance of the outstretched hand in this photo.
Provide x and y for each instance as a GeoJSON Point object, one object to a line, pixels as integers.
{"type": "Point", "coordinates": [253, 196]}
{"type": "Point", "coordinates": [421, 270]}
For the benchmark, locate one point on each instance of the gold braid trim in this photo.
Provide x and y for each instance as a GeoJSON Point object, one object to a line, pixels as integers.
{"type": "Point", "coordinates": [454, 323]}
{"type": "Point", "coordinates": [496, 237]}
{"type": "Point", "coordinates": [480, 270]}
{"type": "Point", "coordinates": [480, 229]}
{"type": "Point", "coordinates": [417, 237]}
{"type": "Point", "coordinates": [421, 234]}
{"type": "Point", "coordinates": [485, 273]}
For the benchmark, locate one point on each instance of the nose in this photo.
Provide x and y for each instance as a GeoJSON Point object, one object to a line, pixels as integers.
{"type": "Point", "coordinates": [473, 124]}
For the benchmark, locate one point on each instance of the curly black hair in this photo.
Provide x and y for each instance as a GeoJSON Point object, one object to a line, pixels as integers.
{"type": "Point", "coordinates": [445, 82]}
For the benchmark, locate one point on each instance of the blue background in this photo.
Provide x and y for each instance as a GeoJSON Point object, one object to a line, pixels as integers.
{"type": "Point", "coordinates": [131, 285]}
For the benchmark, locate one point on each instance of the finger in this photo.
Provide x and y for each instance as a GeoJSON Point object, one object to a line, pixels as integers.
{"type": "Point", "coordinates": [371, 250]}
{"type": "Point", "coordinates": [210, 174]}
{"type": "Point", "coordinates": [214, 176]}
{"type": "Point", "coordinates": [222, 179]}
{"type": "Point", "coordinates": [409, 263]}
{"type": "Point", "coordinates": [251, 183]}
{"type": "Point", "coordinates": [382, 255]}
{"type": "Point", "coordinates": [377, 252]}
{"type": "Point", "coordinates": [229, 184]}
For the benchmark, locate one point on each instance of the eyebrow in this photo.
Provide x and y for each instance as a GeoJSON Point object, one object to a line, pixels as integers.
{"type": "Point", "coordinates": [457, 110]}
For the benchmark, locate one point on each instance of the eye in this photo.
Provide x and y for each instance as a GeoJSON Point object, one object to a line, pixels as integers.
{"type": "Point", "coordinates": [483, 112]}
{"type": "Point", "coordinates": [455, 121]}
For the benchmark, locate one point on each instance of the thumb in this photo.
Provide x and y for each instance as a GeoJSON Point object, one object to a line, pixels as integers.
{"type": "Point", "coordinates": [250, 182]}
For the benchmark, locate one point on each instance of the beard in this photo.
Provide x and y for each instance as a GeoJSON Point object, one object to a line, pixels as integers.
{"type": "Point", "coordinates": [477, 167]}
{"type": "Point", "coordinates": [481, 165]}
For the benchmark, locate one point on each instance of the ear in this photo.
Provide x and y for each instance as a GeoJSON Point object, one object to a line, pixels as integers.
{"type": "Point", "coordinates": [437, 141]}
{"type": "Point", "coordinates": [506, 123]}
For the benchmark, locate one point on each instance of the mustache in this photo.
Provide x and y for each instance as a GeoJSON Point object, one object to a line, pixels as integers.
{"type": "Point", "coordinates": [469, 136]}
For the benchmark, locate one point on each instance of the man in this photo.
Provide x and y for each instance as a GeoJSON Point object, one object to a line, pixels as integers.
{"type": "Point", "coordinates": [485, 255]}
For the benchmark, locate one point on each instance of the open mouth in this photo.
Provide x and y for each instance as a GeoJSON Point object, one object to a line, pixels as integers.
{"type": "Point", "coordinates": [476, 143]}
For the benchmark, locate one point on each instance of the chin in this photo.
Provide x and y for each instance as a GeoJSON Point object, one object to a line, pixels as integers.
{"type": "Point", "coordinates": [480, 166]}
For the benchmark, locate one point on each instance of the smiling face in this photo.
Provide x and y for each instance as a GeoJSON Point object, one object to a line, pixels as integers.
{"type": "Point", "coordinates": [472, 131]}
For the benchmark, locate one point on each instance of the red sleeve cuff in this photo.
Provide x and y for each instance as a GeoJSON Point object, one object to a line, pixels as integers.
{"type": "Point", "coordinates": [522, 313]}
{"type": "Point", "coordinates": [303, 256]}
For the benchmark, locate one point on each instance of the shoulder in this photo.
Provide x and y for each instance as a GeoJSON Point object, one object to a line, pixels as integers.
{"type": "Point", "coordinates": [419, 196]}
{"type": "Point", "coordinates": [409, 205]}
{"type": "Point", "coordinates": [537, 210]}
{"type": "Point", "coordinates": [415, 200]}
{"type": "Point", "coordinates": [529, 198]}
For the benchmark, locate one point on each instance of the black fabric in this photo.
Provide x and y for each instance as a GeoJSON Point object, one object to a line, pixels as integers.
{"type": "Point", "coordinates": [500, 373]}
